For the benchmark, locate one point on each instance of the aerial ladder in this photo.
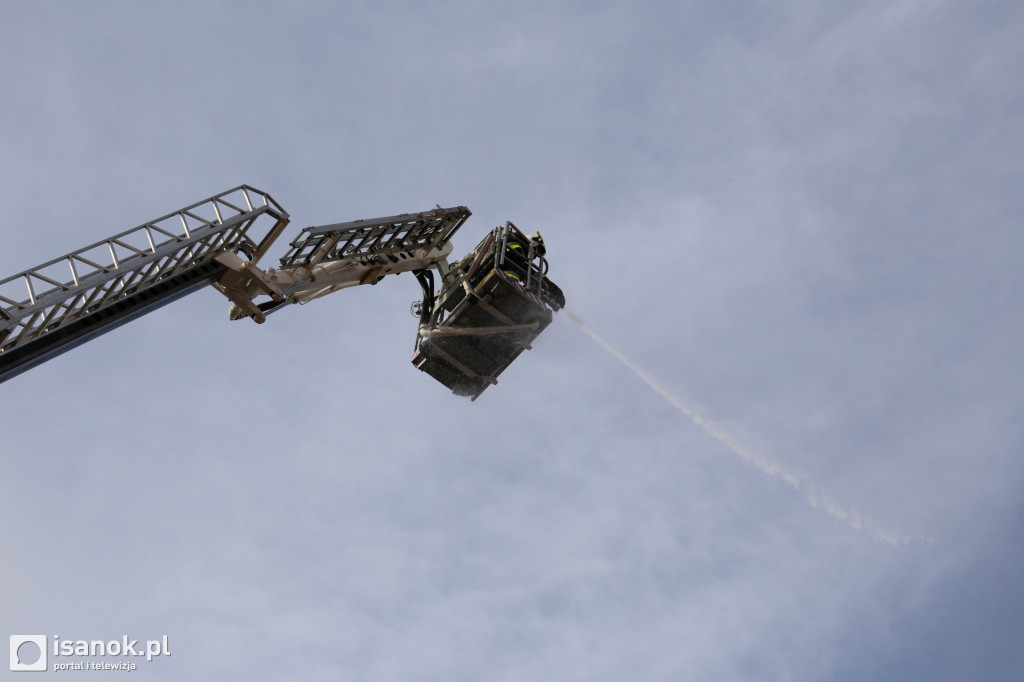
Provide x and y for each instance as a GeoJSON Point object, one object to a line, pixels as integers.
{"type": "Point", "coordinates": [475, 317]}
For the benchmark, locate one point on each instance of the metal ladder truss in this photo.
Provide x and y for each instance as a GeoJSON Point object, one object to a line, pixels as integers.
{"type": "Point", "coordinates": [375, 241]}
{"type": "Point", "coordinates": [61, 304]}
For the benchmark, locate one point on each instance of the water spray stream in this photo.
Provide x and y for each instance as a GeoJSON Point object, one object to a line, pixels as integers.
{"type": "Point", "coordinates": [812, 493]}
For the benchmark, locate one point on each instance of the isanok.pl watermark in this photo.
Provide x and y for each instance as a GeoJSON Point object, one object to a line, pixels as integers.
{"type": "Point", "coordinates": [29, 653]}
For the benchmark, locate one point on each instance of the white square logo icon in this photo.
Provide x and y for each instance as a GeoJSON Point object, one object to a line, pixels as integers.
{"type": "Point", "coordinates": [28, 653]}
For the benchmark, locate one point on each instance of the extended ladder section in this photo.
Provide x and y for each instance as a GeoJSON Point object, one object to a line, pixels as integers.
{"type": "Point", "coordinates": [61, 304]}
{"type": "Point", "coordinates": [493, 304]}
{"type": "Point", "coordinates": [377, 241]}
{"type": "Point", "coordinates": [328, 258]}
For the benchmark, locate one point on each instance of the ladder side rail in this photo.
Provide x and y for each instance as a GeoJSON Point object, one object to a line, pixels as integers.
{"type": "Point", "coordinates": [392, 235]}
{"type": "Point", "coordinates": [392, 239]}
{"type": "Point", "coordinates": [102, 274]}
{"type": "Point", "coordinates": [100, 289]}
{"type": "Point", "coordinates": [265, 204]}
{"type": "Point", "coordinates": [21, 320]}
{"type": "Point", "coordinates": [392, 220]}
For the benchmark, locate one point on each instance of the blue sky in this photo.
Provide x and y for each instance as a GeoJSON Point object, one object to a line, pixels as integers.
{"type": "Point", "coordinates": [802, 221]}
